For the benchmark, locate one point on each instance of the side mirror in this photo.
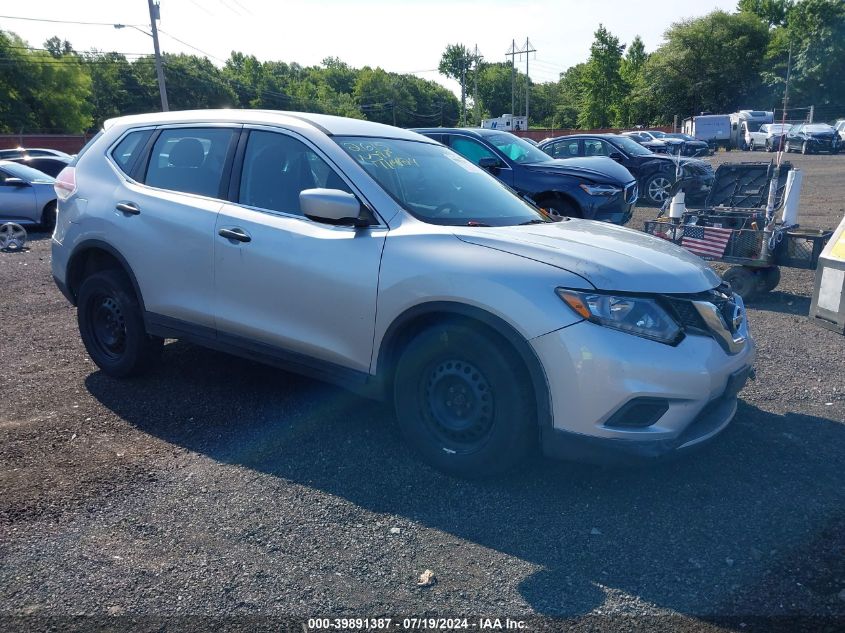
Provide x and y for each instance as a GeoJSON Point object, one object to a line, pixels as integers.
{"type": "Point", "coordinates": [334, 206]}
{"type": "Point", "coordinates": [617, 157]}
{"type": "Point", "coordinates": [15, 182]}
{"type": "Point", "coordinates": [489, 162]}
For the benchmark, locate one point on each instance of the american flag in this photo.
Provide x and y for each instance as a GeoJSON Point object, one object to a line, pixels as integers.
{"type": "Point", "coordinates": [706, 241]}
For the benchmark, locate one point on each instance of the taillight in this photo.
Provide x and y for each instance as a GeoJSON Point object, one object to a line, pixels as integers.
{"type": "Point", "coordinates": [65, 184]}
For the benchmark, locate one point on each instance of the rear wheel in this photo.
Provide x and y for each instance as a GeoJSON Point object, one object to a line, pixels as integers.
{"type": "Point", "coordinates": [112, 327]}
{"type": "Point", "coordinates": [743, 281]}
{"type": "Point", "coordinates": [751, 146]}
{"type": "Point", "coordinates": [48, 217]}
{"type": "Point", "coordinates": [657, 189]}
{"type": "Point", "coordinates": [768, 145]}
{"type": "Point", "coordinates": [463, 403]}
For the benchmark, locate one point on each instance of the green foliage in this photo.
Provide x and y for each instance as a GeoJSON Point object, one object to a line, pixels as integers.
{"type": "Point", "coordinates": [711, 63]}
{"type": "Point", "coordinates": [602, 87]}
{"type": "Point", "coordinates": [772, 12]}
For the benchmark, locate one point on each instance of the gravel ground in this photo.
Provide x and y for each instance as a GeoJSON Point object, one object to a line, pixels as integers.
{"type": "Point", "coordinates": [221, 488]}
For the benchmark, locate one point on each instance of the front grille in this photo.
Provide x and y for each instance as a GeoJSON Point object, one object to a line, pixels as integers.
{"type": "Point", "coordinates": [689, 318]}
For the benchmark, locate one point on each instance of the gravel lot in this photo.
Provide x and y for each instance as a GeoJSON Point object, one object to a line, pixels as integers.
{"type": "Point", "coordinates": [219, 487]}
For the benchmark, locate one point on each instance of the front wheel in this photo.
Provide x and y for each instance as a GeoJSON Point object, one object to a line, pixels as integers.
{"type": "Point", "coordinates": [751, 146]}
{"type": "Point", "coordinates": [562, 209]}
{"type": "Point", "coordinates": [463, 403]}
{"type": "Point", "coordinates": [112, 327]}
{"type": "Point", "coordinates": [805, 148]}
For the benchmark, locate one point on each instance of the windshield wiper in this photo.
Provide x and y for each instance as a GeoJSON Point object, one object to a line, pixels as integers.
{"type": "Point", "coordinates": [533, 222]}
{"type": "Point", "coordinates": [476, 223]}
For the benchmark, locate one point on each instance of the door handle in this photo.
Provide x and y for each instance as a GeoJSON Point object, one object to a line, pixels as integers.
{"type": "Point", "coordinates": [130, 208]}
{"type": "Point", "coordinates": [234, 234]}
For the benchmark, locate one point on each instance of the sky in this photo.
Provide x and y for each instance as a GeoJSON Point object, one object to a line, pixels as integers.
{"type": "Point", "coordinates": [403, 36]}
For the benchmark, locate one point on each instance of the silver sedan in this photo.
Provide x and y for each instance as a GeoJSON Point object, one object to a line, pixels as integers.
{"type": "Point", "coordinates": [26, 196]}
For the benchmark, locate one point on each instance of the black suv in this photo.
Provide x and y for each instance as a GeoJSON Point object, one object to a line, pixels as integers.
{"type": "Point", "coordinates": [655, 173]}
{"type": "Point", "coordinates": [591, 188]}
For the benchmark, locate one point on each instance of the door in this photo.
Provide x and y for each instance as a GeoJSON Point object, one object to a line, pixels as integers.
{"type": "Point", "coordinates": [284, 284]}
{"type": "Point", "coordinates": [17, 201]}
{"type": "Point", "coordinates": [164, 226]}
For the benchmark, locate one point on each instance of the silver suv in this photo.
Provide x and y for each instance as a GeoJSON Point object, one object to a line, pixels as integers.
{"type": "Point", "coordinates": [379, 259]}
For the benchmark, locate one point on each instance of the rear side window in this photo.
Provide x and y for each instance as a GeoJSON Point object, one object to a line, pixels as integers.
{"type": "Point", "coordinates": [565, 149]}
{"type": "Point", "coordinates": [190, 160]}
{"type": "Point", "coordinates": [126, 152]}
{"type": "Point", "coordinates": [277, 168]}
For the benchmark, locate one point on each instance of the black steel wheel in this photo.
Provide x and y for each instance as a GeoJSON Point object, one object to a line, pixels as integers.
{"type": "Point", "coordinates": [111, 325]}
{"type": "Point", "coordinates": [743, 281]}
{"type": "Point", "coordinates": [463, 400]}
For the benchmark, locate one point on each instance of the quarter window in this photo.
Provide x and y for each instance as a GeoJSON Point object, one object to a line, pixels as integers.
{"type": "Point", "coordinates": [277, 168]}
{"type": "Point", "coordinates": [128, 149]}
{"type": "Point", "coordinates": [190, 160]}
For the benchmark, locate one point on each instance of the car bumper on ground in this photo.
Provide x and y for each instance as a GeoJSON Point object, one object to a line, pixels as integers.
{"type": "Point", "coordinates": [617, 396]}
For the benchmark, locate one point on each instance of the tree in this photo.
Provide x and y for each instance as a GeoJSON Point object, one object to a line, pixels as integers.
{"type": "Point", "coordinates": [457, 62]}
{"type": "Point", "coordinates": [602, 87]}
{"type": "Point", "coordinates": [709, 63]}
{"type": "Point", "coordinates": [772, 12]}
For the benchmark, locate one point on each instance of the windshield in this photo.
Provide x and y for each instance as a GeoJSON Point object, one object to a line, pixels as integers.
{"type": "Point", "coordinates": [437, 185]}
{"type": "Point", "coordinates": [777, 128]}
{"type": "Point", "coordinates": [26, 173]}
{"type": "Point", "coordinates": [518, 150]}
{"type": "Point", "coordinates": [659, 134]}
{"type": "Point", "coordinates": [630, 146]}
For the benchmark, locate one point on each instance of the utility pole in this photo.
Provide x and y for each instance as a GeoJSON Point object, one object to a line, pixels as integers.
{"type": "Point", "coordinates": [476, 59]}
{"type": "Point", "coordinates": [528, 49]}
{"type": "Point", "coordinates": [162, 88]}
{"type": "Point", "coordinates": [512, 54]}
{"type": "Point", "coordinates": [463, 89]}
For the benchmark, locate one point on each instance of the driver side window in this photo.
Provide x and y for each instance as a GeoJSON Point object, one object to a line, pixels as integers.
{"type": "Point", "coordinates": [470, 149]}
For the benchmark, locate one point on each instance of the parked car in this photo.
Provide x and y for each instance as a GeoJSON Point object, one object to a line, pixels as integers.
{"type": "Point", "coordinates": [691, 145]}
{"type": "Point", "coordinates": [19, 152]}
{"type": "Point", "coordinates": [530, 140]}
{"type": "Point", "coordinates": [839, 126]}
{"type": "Point", "coordinates": [655, 173]}
{"type": "Point", "coordinates": [649, 142]}
{"type": "Point", "coordinates": [812, 138]}
{"type": "Point", "coordinates": [26, 196]}
{"type": "Point", "coordinates": [376, 258]}
{"type": "Point", "coordinates": [591, 188]}
{"type": "Point", "coordinates": [50, 165]}
{"type": "Point", "coordinates": [768, 136]}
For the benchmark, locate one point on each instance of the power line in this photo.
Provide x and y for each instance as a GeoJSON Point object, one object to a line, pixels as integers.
{"type": "Point", "coordinates": [17, 17]}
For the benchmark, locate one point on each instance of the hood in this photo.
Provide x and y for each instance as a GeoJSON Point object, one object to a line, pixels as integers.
{"type": "Point", "coordinates": [608, 256]}
{"type": "Point", "coordinates": [597, 168]}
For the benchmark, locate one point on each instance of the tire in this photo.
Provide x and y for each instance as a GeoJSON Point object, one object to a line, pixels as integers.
{"type": "Point", "coordinates": [767, 278]}
{"type": "Point", "coordinates": [48, 217]}
{"type": "Point", "coordinates": [562, 208]}
{"type": "Point", "coordinates": [805, 149]}
{"type": "Point", "coordinates": [463, 403]}
{"type": "Point", "coordinates": [111, 325]}
{"type": "Point", "coordinates": [743, 281]}
{"type": "Point", "coordinates": [656, 189]}
{"type": "Point", "coordinates": [769, 146]}
{"type": "Point", "coordinates": [751, 146]}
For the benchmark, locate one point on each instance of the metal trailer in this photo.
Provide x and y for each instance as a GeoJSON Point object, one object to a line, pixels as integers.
{"type": "Point", "coordinates": [736, 207]}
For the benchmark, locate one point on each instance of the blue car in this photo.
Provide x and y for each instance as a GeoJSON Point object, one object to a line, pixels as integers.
{"type": "Point", "coordinates": [594, 188]}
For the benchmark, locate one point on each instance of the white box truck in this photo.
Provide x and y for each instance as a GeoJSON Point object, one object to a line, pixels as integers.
{"type": "Point", "coordinates": [713, 129]}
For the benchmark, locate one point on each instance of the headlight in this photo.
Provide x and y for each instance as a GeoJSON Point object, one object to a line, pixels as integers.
{"type": "Point", "coordinates": [640, 316]}
{"type": "Point", "coordinates": [600, 190]}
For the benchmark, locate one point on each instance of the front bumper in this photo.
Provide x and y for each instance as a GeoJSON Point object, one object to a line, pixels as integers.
{"type": "Point", "coordinates": [593, 372]}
